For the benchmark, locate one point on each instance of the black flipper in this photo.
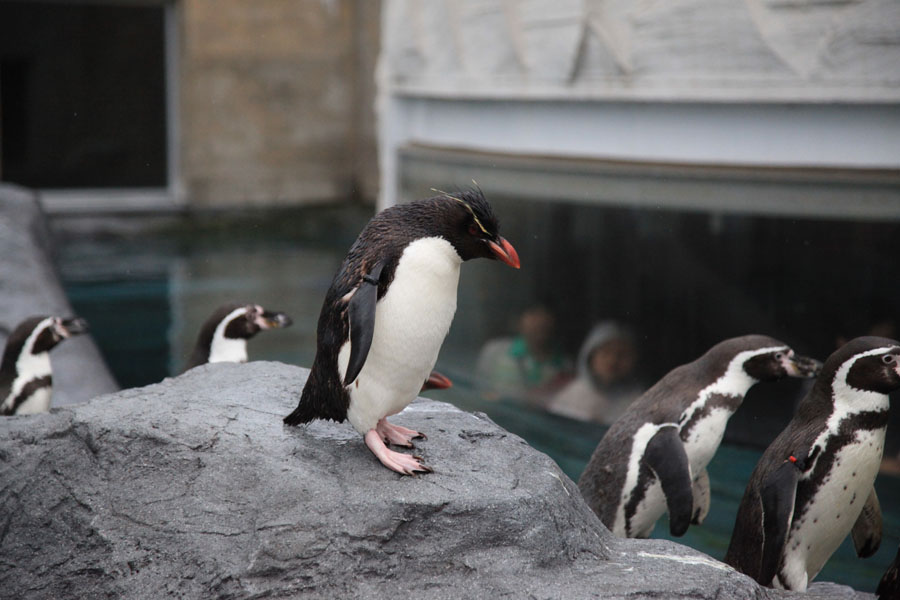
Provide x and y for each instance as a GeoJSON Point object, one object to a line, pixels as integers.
{"type": "Point", "coordinates": [867, 530]}
{"type": "Point", "coordinates": [778, 494]}
{"type": "Point", "coordinates": [665, 455]}
{"type": "Point", "coordinates": [361, 311]}
{"type": "Point", "coordinates": [889, 586]}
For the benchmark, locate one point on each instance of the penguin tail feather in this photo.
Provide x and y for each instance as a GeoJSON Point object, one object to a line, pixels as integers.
{"type": "Point", "coordinates": [301, 414]}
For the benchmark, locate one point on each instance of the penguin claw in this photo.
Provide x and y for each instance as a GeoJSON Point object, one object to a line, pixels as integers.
{"type": "Point", "coordinates": [395, 461]}
{"type": "Point", "coordinates": [397, 435]}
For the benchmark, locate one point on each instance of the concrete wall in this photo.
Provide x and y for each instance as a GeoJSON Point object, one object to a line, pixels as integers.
{"type": "Point", "coordinates": [276, 101]}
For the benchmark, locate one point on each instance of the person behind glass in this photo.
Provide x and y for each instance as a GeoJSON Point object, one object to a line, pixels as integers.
{"type": "Point", "coordinates": [529, 366]}
{"type": "Point", "coordinates": [605, 383]}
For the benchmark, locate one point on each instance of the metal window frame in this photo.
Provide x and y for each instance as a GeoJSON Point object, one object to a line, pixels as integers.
{"type": "Point", "coordinates": [171, 197]}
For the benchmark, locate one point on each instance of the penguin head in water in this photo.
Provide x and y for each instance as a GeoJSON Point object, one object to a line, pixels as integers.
{"type": "Point", "coordinates": [56, 329]}
{"type": "Point", "coordinates": [469, 224]}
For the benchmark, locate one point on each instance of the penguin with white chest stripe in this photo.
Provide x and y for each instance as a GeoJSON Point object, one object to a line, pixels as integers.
{"type": "Point", "coordinates": [654, 457]}
{"type": "Point", "coordinates": [26, 376]}
{"type": "Point", "coordinates": [387, 312]}
{"type": "Point", "coordinates": [814, 484]}
{"type": "Point", "coordinates": [223, 337]}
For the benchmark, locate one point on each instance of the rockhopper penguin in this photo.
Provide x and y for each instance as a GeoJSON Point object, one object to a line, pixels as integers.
{"type": "Point", "coordinates": [224, 335]}
{"type": "Point", "coordinates": [387, 312]}
{"type": "Point", "coordinates": [26, 377]}
{"type": "Point", "coordinates": [654, 457]}
{"type": "Point", "coordinates": [814, 484]}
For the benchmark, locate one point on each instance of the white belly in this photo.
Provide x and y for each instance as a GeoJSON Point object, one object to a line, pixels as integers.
{"type": "Point", "coordinates": [411, 322]}
{"type": "Point", "coordinates": [705, 438]}
{"type": "Point", "coordinates": [838, 503]}
{"type": "Point", "coordinates": [648, 513]}
{"type": "Point", "coordinates": [38, 402]}
{"type": "Point", "coordinates": [701, 445]}
{"type": "Point", "coordinates": [653, 504]}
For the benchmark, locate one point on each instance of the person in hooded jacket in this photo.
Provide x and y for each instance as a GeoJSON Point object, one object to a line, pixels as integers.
{"type": "Point", "coordinates": [606, 382]}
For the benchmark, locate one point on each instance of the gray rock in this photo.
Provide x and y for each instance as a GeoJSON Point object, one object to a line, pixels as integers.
{"type": "Point", "coordinates": [194, 488]}
{"type": "Point", "coordinates": [29, 285]}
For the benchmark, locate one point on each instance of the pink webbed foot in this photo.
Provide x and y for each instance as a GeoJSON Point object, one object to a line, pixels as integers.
{"type": "Point", "coordinates": [395, 461]}
{"type": "Point", "coordinates": [394, 434]}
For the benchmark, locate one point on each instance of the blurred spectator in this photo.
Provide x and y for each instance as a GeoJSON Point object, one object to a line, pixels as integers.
{"type": "Point", "coordinates": [605, 384]}
{"type": "Point", "coordinates": [529, 366]}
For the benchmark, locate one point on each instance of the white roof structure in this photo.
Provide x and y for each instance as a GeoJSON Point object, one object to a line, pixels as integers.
{"type": "Point", "coordinates": [801, 84]}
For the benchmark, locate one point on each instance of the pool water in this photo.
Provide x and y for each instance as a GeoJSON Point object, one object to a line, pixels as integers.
{"type": "Point", "coordinates": [147, 289]}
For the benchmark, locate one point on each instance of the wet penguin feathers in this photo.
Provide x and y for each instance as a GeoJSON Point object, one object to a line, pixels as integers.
{"type": "Point", "coordinates": [465, 219]}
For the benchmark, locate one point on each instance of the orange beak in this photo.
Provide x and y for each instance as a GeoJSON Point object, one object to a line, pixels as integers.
{"type": "Point", "coordinates": [505, 252]}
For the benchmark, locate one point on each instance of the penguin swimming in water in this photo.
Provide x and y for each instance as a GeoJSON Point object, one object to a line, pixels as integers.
{"type": "Point", "coordinates": [387, 312]}
{"type": "Point", "coordinates": [26, 376]}
{"type": "Point", "coordinates": [654, 457]}
{"type": "Point", "coordinates": [889, 586]}
{"type": "Point", "coordinates": [814, 484]}
{"type": "Point", "coordinates": [224, 335]}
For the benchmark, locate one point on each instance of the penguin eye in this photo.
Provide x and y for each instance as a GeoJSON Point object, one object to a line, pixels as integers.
{"type": "Point", "coordinates": [887, 359]}
{"type": "Point", "coordinates": [779, 355]}
{"type": "Point", "coordinates": [473, 230]}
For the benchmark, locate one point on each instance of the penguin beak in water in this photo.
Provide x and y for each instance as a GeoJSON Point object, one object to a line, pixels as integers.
{"type": "Point", "coordinates": [505, 252]}
{"type": "Point", "coordinates": [273, 320]}
{"type": "Point", "coordinates": [73, 326]}
{"type": "Point", "coordinates": [801, 366]}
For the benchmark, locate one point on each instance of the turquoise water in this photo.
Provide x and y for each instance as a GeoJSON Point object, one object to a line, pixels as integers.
{"type": "Point", "coordinates": [146, 294]}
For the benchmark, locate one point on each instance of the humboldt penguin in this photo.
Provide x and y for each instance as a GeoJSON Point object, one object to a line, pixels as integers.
{"type": "Point", "coordinates": [814, 484]}
{"type": "Point", "coordinates": [889, 586]}
{"type": "Point", "coordinates": [223, 337]}
{"type": "Point", "coordinates": [654, 457]}
{"type": "Point", "coordinates": [387, 312]}
{"type": "Point", "coordinates": [26, 376]}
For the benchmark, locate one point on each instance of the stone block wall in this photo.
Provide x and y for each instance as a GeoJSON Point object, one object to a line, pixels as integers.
{"type": "Point", "coordinates": [277, 101]}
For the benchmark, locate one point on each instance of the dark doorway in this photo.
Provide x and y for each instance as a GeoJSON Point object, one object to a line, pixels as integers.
{"type": "Point", "coordinates": [82, 95]}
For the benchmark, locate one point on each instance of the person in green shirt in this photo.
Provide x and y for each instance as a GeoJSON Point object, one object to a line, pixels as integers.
{"type": "Point", "coordinates": [529, 366]}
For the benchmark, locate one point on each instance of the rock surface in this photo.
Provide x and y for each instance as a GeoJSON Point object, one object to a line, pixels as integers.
{"type": "Point", "coordinates": [193, 488]}
{"type": "Point", "coordinates": [29, 285]}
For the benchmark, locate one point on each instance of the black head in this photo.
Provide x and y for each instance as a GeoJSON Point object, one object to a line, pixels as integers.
{"type": "Point", "coordinates": [779, 363]}
{"type": "Point", "coordinates": [52, 330]}
{"type": "Point", "coordinates": [468, 222]}
{"type": "Point", "coordinates": [767, 358]}
{"type": "Point", "coordinates": [245, 320]}
{"type": "Point", "coordinates": [44, 332]}
{"type": "Point", "coordinates": [868, 363]}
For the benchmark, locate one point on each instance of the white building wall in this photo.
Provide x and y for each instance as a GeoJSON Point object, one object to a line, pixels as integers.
{"type": "Point", "coordinates": [781, 83]}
